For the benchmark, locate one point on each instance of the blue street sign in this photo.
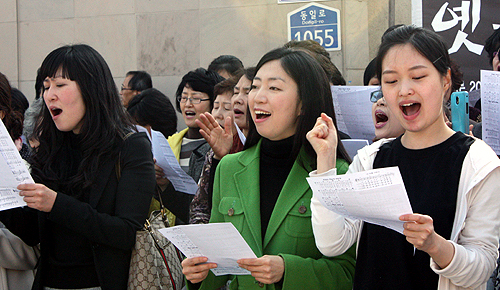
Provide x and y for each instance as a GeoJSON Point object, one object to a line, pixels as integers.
{"type": "Point", "coordinates": [317, 22]}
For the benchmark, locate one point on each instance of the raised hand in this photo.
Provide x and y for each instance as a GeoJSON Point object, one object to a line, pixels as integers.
{"type": "Point", "coordinates": [323, 138]}
{"type": "Point", "coordinates": [220, 139]}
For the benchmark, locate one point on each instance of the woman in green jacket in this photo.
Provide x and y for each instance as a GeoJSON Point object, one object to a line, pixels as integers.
{"type": "Point", "coordinates": [263, 190]}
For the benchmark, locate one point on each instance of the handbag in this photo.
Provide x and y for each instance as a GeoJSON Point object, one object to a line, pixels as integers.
{"type": "Point", "coordinates": [155, 263]}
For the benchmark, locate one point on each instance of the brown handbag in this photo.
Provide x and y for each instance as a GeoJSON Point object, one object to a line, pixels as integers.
{"type": "Point", "coordinates": [155, 262]}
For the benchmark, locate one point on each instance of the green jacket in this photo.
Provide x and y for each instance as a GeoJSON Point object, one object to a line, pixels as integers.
{"type": "Point", "coordinates": [289, 233]}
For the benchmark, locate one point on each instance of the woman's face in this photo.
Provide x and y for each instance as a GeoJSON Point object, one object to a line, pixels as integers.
{"type": "Point", "coordinates": [274, 102]}
{"type": "Point", "coordinates": [222, 107]}
{"type": "Point", "coordinates": [239, 100]}
{"type": "Point", "coordinates": [65, 103]}
{"type": "Point", "coordinates": [386, 124]}
{"type": "Point", "coordinates": [413, 88]}
{"type": "Point", "coordinates": [191, 111]}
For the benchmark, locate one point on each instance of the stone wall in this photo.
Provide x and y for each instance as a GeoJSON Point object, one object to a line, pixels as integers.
{"type": "Point", "coordinates": [168, 38]}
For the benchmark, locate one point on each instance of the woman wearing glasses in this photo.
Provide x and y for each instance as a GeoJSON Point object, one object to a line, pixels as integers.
{"type": "Point", "coordinates": [451, 240]}
{"type": "Point", "coordinates": [195, 95]}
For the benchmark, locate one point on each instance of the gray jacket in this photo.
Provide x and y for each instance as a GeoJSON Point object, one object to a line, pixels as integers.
{"type": "Point", "coordinates": [17, 262]}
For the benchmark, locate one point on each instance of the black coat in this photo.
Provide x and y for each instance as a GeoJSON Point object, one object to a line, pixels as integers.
{"type": "Point", "coordinates": [116, 210]}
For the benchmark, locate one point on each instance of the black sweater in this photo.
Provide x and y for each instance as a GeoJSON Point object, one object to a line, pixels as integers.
{"type": "Point", "coordinates": [275, 165]}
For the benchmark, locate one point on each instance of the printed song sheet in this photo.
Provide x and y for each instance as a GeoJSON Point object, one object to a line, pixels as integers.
{"type": "Point", "coordinates": [490, 108]}
{"type": "Point", "coordinates": [221, 243]}
{"type": "Point", "coordinates": [376, 196]}
{"type": "Point", "coordinates": [165, 158]}
{"type": "Point", "coordinates": [13, 171]}
{"type": "Point", "coordinates": [353, 110]}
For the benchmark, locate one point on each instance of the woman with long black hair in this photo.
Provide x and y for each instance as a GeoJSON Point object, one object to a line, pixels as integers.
{"type": "Point", "coordinates": [94, 177]}
{"type": "Point", "coordinates": [450, 242]}
{"type": "Point", "coordinates": [263, 190]}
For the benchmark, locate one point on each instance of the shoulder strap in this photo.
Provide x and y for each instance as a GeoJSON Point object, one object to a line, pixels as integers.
{"type": "Point", "coordinates": [118, 160]}
{"type": "Point", "coordinates": [119, 172]}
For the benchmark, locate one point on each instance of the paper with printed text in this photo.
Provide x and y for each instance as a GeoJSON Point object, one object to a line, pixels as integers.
{"type": "Point", "coordinates": [490, 108]}
{"type": "Point", "coordinates": [13, 171]}
{"type": "Point", "coordinates": [353, 110]}
{"type": "Point", "coordinates": [165, 158]}
{"type": "Point", "coordinates": [221, 243]}
{"type": "Point", "coordinates": [376, 196]}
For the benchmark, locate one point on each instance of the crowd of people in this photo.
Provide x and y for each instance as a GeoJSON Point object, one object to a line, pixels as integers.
{"type": "Point", "coordinates": [252, 136]}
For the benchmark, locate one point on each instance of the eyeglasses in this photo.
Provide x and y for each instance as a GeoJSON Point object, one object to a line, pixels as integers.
{"type": "Point", "coordinates": [125, 89]}
{"type": "Point", "coordinates": [376, 95]}
{"type": "Point", "coordinates": [194, 101]}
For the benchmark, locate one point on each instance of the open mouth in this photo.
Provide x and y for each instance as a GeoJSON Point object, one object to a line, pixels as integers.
{"type": "Point", "coordinates": [238, 111]}
{"type": "Point", "coordinates": [262, 114]}
{"type": "Point", "coordinates": [381, 117]}
{"type": "Point", "coordinates": [190, 113]}
{"type": "Point", "coordinates": [410, 109]}
{"type": "Point", "coordinates": [56, 111]}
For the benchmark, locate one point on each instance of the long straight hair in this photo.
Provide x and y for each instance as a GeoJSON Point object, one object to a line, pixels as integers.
{"type": "Point", "coordinates": [105, 122]}
{"type": "Point", "coordinates": [315, 96]}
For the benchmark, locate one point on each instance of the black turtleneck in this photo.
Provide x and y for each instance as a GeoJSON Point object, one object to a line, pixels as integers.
{"type": "Point", "coordinates": [69, 263]}
{"type": "Point", "coordinates": [275, 165]}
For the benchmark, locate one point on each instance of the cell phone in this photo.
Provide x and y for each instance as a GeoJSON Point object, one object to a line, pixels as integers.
{"type": "Point", "coordinates": [460, 112]}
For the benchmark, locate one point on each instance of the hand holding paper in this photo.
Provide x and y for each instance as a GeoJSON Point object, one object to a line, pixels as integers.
{"type": "Point", "coordinates": [165, 159]}
{"type": "Point", "coordinates": [196, 269]}
{"type": "Point", "coordinates": [221, 243]}
{"type": "Point", "coordinates": [38, 196]}
{"type": "Point", "coordinates": [376, 196]}
{"type": "Point", "coordinates": [267, 269]}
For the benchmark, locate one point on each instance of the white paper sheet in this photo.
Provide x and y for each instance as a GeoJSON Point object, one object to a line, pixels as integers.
{"type": "Point", "coordinates": [221, 243]}
{"type": "Point", "coordinates": [165, 158]}
{"type": "Point", "coordinates": [13, 171]}
{"type": "Point", "coordinates": [376, 196]}
{"type": "Point", "coordinates": [353, 110]}
{"type": "Point", "coordinates": [490, 108]}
